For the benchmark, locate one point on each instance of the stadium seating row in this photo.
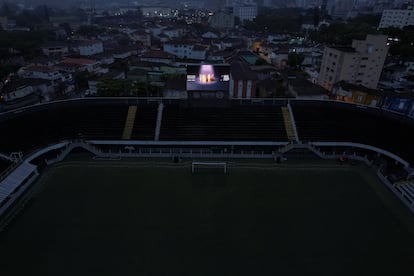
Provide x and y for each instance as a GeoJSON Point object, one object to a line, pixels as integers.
{"type": "Point", "coordinates": [239, 123]}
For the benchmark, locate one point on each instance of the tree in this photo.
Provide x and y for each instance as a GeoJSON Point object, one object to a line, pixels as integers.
{"type": "Point", "coordinates": [8, 9]}
{"type": "Point", "coordinates": [81, 79]}
{"type": "Point", "coordinates": [295, 60]}
{"type": "Point", "coordinates": [124, 41]}
{"type": "Point", "coordinates": [316, 17]}
{"type": "Point", "coordinates": [27, 43]}
{"type": "Point", "coordinates": [89, 30]}
{"type": "Point", "coordinates": [260, 61]}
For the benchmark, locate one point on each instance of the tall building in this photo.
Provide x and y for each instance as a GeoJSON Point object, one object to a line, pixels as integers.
{"type": "Point", "coordinates": [339, 8]}
{"type": "Point", "coordinates": [245, 11]}
{"type": "Point", "coordinates": [213, 5]}
{"type": "Point", "coordinates": [360, 64]}
{"type": "Point", "coordinates": [267, 3]}
{"type": "Point", "coordinates": [396, 18]}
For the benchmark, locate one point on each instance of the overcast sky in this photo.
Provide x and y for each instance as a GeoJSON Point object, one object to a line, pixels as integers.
{"type": "Point", "coordinates": [73, 2]}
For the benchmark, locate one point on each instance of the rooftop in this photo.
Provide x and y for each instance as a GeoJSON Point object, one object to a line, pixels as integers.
{"type": "Point", "coordinates": [242, 71]}
{"type": "Point", "coordinates": [78, 61]}
{"type": "Point", "coordinates": [42, 69]}
{"type": "Point", "coordinates": [344, 49]}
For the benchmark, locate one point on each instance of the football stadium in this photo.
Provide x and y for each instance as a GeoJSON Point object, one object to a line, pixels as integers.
{"type": "Point", "coordinates": [131, 186]}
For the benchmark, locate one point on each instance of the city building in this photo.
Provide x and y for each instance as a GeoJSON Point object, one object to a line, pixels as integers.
{"type": "Point", "coordinates": [267, 3]}
{"type": "Point", "coordinates": [340, 8]}
{"type": "Point", "coordinates": [186, 50]}
{"type": "Point", "coordinates": [90, 47]}
{"type": "Point", "coordinates": [222, 20]}
{"type": "Point", "coordinates": [55, 48]}
{"type": "Point", "coordinates": [360, 64]}
{"type": "Point", "coordinates": [396, 18]}
{"type": "Point", "coordinates": [157, 11]}
{"type": "Point", "coordinates": [141, 36]}
{"type": "Point", "coordinates": [245, 11]}
{"type": "Point", "coordinates": [346, 92]}
{"type": "Point", "coordinates": [42, 72]}
{"type": "Point", "coordinates": [243, 81]}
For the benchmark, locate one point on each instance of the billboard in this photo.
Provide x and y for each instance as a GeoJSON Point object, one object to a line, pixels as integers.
{"type": "Point", "coordinates": [207, 77]}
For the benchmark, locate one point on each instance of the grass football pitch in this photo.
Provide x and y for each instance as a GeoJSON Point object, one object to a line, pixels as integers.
{"type": "Point", "coordinates": [123, 218]}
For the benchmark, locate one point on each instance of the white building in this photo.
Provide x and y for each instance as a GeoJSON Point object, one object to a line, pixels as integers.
{"type": "Point", "coordinates": [245, 11]}
{"type": "Point", "coordinates": [186, 50]}
{"type": "Point", "coordinates": [396, 18]}
{"type": "Point", "coordinates": [90, 47]}
{"type": "Point", "coordinates": [42, 72]}
{"type": "Point", "coordinates": [24, 87]}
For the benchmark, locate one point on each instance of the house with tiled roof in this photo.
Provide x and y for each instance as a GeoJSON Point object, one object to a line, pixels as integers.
{"type": "Point", "coordinates": [157, 57]}
{"type": "Point", "coordinates": [79, 64]}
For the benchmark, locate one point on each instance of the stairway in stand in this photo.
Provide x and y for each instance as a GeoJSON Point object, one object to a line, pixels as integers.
{"type": "Point", "coordinates": [129, 122]}
{"type": "Point", "coordinates": [288, 124]}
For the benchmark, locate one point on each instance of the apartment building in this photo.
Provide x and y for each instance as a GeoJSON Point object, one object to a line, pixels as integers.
{"type": "Point", "coordinates": [360, 64]}
{"type": "Point", "coordinates": [396, 18]}
{"type": "Point", "coordinates": [245, 11]}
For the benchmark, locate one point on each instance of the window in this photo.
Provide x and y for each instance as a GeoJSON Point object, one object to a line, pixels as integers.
{"type": "Point", "coordinates": [359, 98]}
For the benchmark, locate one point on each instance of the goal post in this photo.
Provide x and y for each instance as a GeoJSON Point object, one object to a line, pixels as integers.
{"type": "Point", "coordinates": [195, 165]}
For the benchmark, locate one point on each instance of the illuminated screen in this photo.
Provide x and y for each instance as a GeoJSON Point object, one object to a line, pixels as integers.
{"type": "Point", "coordinates": [207, 77]}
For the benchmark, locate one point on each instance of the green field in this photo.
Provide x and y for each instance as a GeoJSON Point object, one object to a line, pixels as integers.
{"type": "Point", "coordinates": [109, 218]}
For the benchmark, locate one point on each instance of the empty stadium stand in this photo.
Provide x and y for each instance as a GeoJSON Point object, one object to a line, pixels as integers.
{"type": "Point", "coordinates": [41, 126]}
{"type": "Point", "coordinates": [145, 121]}
{"type": "Point", "coordinates": [4, 164]}
{"type": "Point", "coordinates": [35, 127]}
{"type": "Point", "coordinates": [327, 121]}
{"type": "Point", "coordinates": [238, 123]}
